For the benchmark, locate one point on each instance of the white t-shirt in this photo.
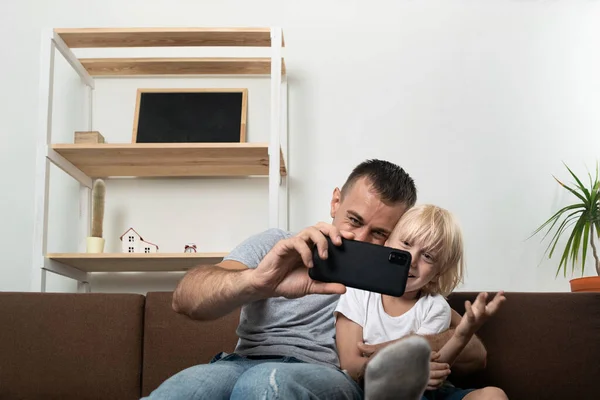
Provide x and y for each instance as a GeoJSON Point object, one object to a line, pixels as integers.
{"type": "Point", "coordinates": [430, 315]}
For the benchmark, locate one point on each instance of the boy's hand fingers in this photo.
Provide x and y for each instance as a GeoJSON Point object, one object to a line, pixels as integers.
{"type": "Point", "coordinates": [441, 369]}
{"type": "Point", "coordinates": [495, 304]}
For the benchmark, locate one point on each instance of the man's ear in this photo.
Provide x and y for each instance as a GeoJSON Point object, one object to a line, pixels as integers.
{"type": "Point", "coordinates": [336, 200]}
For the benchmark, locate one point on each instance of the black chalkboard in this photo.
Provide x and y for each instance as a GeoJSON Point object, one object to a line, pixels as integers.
{"type": "Point", "coordinates": [190, 116]}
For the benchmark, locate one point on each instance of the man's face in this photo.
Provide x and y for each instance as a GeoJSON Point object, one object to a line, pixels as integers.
{"type": "Point", "coordinates": [363, 213]}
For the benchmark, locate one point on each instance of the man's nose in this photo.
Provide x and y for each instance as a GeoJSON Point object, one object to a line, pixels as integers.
{"type": "Point", "coordinates": [362, 234]}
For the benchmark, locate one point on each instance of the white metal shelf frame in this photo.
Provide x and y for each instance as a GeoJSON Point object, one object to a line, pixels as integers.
{"type": "Point", "coordinates": [50, 42]}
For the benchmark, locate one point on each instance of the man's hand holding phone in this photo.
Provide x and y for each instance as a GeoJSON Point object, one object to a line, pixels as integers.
{"type": "Point", "coordinates": [284, 270]}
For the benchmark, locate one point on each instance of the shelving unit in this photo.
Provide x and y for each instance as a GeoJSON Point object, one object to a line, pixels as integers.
{"type": "Point", "coordinates": [85, 162]}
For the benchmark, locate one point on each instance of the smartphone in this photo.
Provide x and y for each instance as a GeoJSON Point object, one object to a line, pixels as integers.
{"type": "Point", "coordinates": [363, 265]}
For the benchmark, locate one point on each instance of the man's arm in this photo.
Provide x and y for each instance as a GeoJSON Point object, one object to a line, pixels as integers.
{"type": "Point", "coordinates": [213, 291]}
{"type": "Point", "coordinates": [209, 292]}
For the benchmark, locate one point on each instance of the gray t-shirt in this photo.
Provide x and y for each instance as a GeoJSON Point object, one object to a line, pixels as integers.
{"type": "Point", "coordinates": [303, 328]}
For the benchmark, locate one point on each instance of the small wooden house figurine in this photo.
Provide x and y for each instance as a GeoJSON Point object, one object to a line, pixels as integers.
{"type": "Point", "coordinates": [147, 247]}
{"type": "Point", "coordinates": [132, 242]}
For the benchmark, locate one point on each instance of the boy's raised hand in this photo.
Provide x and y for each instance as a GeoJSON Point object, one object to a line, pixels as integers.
{"type": "Point", "coordinates": [478, 313]}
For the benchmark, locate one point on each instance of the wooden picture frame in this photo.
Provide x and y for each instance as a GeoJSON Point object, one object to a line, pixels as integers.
{"type": "Point", "coordinates": [136, 138]}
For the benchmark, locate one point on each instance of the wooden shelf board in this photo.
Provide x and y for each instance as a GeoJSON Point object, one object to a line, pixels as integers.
{"type": "Point", "coordinates": [138, 262]}
{"type": "Point", "coordinates": [164, 37]}
{"type": "Point", "coordinates": [178, 66]}
{"type": "Point", "coordinates": [169, 159]}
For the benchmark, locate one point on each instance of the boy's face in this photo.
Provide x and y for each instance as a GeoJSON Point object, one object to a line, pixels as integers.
{"type": "Point", "coordinates": [424, 268]}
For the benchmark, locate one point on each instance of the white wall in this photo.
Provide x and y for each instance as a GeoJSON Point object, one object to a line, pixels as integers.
{"type": "Point", "coordinates": [479, 101]}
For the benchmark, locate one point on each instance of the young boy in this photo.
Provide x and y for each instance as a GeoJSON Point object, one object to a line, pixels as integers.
{"type": "Point", "coordinates": [401, 370]}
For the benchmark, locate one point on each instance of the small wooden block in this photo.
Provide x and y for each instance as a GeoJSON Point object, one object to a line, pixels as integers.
{"type": "Point", "coordinates": [88, 137]}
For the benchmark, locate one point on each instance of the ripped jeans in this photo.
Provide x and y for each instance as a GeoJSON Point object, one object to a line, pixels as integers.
{"type": "Point", "coordinates": [267, 377]}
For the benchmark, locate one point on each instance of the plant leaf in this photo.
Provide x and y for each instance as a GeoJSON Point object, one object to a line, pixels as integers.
{"type": "Point", "coordinates": [595, 201]}
{"type": "Point", "coordinates": [565, 257]}
{"type": "Point", "coordinates": [564, 227]}
{"type": "Point", "coordinates": [586, 236]}
{"type": "Point", "coordinates": [594, 182]}
{"type": "Point", "coordinates": [583, 189]}
{"type": "Point", "coordinates": [556, 217]}
{"type": "Point", "coordinates": [571, 247]}
{"type": "Point", "coordinates": [579, 195]}
{"type": "Point", "coordinates": [572, 222]}
{"type": "Point", "coordinates": [560, 230]}
{"type": "Point", "coordinates": [597, 170]}
{"type": "Point", "coordinates": [579, 219]}
{"type": "Point", "coordinates": [576, 244]}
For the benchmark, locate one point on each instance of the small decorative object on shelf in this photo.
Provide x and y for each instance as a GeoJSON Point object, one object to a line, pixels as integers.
{"type": "Point", "coordinates": [95, 242]}
{"type": "Point", "coordinates": [190, 248]}
{"type": "Point", "coordinates": [132, 242]}
{"type": "Point", "coordinates": [84, 137]}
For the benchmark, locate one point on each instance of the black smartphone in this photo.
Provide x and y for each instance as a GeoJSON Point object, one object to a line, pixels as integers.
{"type": "Point", "coordinates": [363, 265]}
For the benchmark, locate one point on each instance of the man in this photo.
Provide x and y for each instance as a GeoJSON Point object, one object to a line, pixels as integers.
{"type": "Point", "coordinates": [287, 345]}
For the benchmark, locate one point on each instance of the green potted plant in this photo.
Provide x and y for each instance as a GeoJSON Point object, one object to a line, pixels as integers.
{"type": "Point", "coordinates": [581, 222]}
{"type": "Point", "coordinates": [95, 242]}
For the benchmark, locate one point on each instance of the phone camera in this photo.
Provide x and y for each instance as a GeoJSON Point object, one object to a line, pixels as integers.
{"type": "Point", "coordinates": [398, 258]}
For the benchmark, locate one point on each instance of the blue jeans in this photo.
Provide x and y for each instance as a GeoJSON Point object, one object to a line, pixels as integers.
{"type": "Point", "coordinates": [237, 377]}
{"type": "Point", "coordinates": [446, 392]}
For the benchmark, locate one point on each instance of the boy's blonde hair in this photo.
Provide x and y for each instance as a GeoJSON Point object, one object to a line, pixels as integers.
{"type": "Point", "coordinates": [438, 232]}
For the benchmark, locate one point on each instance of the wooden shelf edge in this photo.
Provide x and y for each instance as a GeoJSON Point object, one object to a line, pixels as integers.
{"type": "Point", "coordinates": [152, 30]}
{"type": "Point", "coordinates": [165, 37]}
{"type": "Point", "coordinates": [169, 159]}
{"type": "Point", "coordinates": [107, 67]}
{"type": "Point", "coordinates": [135, 255]}
{"type": "Point", "coordinates": [136, 262]}
{"type": "Point", "coordinates": [135, 146]}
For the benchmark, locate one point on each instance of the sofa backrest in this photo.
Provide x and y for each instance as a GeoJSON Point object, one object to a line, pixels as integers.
{"type": "Point", "coordinates": [540, 345]}
{"type": "Point", "coordinates": [70, 346]}
{"type": "Point", "coordinates": [123, 346]}
{"type": "Point", "coordinates": [173, 342]}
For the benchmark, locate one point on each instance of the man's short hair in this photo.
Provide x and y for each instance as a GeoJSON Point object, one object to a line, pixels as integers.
{"type": "Point", "coordinates": [389, 180]}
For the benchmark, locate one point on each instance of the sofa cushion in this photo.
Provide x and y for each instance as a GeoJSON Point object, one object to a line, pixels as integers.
{"type": "Point", "coordinates": [540, 345]}
{"type": "Point", "coordinates": [70, 346]}
{"type": "Point", "coordinates": [173, 342]}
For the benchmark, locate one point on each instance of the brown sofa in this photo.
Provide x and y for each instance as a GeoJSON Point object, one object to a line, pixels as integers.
{"type": "Point", "coordinates": [122, 346]}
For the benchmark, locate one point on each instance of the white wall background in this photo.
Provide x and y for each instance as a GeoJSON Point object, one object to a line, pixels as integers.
{"type": "Point", "coordinates": [480, 101]}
